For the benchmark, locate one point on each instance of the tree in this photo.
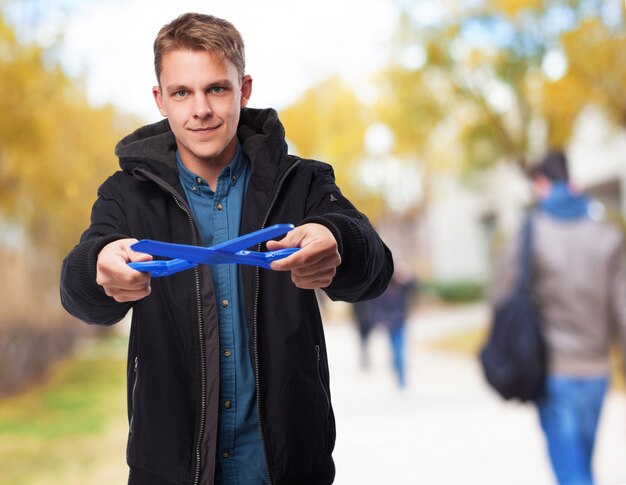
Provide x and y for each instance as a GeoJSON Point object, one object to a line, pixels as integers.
{"type": "Point", "coordinates": [54, 151]}
{"type": "Point", "coordinates": [329, 123]}
{"type": "Point", "coordinates": [596, 53]}
{"type": "Point", "coordinates": [55, 147]}
{"type": "Point", "coordinates": [505, 79]}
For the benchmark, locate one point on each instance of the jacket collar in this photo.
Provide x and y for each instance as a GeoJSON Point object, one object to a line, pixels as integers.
{"type": "Point", "coordinates": [260, 133]}
{"type": "Point", "coordinates": [262, 137]}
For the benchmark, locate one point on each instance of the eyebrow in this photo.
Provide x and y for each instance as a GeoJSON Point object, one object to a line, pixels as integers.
{"type": "Point", "coordinates": [182, 87]}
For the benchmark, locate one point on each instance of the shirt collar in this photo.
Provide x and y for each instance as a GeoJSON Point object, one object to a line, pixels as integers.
{"type": "Point", "coordinates": [232, 172]}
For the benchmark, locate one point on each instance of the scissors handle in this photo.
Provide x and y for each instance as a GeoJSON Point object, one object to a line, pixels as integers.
{"type": "Point", "coordinates": [162, 268]}
{"type": "Point", "coordinates": [263, 260]}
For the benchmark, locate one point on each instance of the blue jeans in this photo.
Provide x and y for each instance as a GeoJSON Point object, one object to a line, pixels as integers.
{"type": "Point", "coordinates": [397, 338]}
{"type": "Point", "coordinates": [569, 413]}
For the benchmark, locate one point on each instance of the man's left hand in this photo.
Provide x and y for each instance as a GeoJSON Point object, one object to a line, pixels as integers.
{"type": "Point", "coordinates": [315, 264]}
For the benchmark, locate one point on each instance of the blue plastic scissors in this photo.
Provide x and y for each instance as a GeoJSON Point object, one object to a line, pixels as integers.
{"type": "Point", "coordinates": [229, 252]}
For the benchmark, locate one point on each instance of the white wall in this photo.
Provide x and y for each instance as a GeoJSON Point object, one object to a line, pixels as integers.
{"type": "Point", "coordinates": [455, 232]}
{"type": "Point", "coordinates": [597, 153]}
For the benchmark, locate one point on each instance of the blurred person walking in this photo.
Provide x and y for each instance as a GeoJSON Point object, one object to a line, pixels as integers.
{"type": "Point", "coordinates": [579, 281]}
{"type": "Point", "coordinates": [390, 310]}
{"type": "Point", "coordinates": [228, 378]}
{"type": "Point", "coordinates": [363, 315]}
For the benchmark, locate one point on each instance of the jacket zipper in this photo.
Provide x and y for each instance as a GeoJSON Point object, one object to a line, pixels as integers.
{"type": "Point", "coordinates": [196, 273]}
{"type": "Point", "coordinates": [132, 418]}
{"type": "Point", "coordinates": [255, 327]}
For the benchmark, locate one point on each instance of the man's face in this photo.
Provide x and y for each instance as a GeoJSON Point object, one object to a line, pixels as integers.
{"type": "Point", "coordinates": [202, 95]}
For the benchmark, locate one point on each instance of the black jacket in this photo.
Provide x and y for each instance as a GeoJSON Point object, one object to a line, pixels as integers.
{"type": "Point", "coordinates": [173, 357]}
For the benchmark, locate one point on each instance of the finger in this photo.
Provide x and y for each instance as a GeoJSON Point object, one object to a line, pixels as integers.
{"type": "Point", "coordinates": [293, 239]}
{"type": "Point", "coordinates": [273, 245]}
{"type": "Point", "coordinates": [125, 291]}
{"type": "Point", "coordinates": [319, 280]}
{"type": "Point", "coordinates": [301, 259]}
{"type": "Point", "coordinates": [122, 277]}
{"type": "Point", "coordinates": [134, 256]}
{"type": "Point", "coordinates": [323, 265]}
{"type": "Point", "coordinates": [308, 261]}
{"type": "Point", "coordinates": [316, 259]}
{"type": "Point", "coordinates": [134, 282]}
{"type": "Point", "coordinates": [115, 287]}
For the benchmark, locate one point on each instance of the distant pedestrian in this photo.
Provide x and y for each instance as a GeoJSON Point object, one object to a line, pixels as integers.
{"type": "Point", "coordinates": [365, 323]}
{"type": "Point", "coordinates": [390, 310]}
{"type": "Point", "coordinates": [579, 281]}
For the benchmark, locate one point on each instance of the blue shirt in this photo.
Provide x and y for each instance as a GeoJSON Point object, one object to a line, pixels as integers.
{"type": "Point", "coordinates": [240, 458]}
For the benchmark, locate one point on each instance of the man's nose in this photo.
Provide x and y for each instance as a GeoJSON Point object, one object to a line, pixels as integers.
{"type": "Point", "coordinates": [202, 107]}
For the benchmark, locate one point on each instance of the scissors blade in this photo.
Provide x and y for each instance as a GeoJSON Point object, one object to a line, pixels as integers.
{"type": "Point", "coordinates": [253, 238]}
{"type": "Point", "coordinates": [196, 254]}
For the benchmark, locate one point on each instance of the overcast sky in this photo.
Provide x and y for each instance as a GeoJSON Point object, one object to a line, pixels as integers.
{"type": "Point", "coordinates": [289, 44]}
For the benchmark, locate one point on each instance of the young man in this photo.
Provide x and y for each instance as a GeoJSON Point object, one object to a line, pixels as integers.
{"type": "Point", "coordinates": [227, 370]}
{"type": "Point", "coordinates": [579, 280]}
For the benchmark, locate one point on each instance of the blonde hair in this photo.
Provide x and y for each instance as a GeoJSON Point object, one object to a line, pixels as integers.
{"type": "Point", "coordinates": [200, 32]}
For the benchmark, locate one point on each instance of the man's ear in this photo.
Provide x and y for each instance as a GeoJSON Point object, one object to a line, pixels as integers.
{"type": "Point", "coordinates": [156, 92]}
{"type": "Point", "coordinates": [246, 90]}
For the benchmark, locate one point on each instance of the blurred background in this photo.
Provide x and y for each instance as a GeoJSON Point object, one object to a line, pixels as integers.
{"type": "Point", "coordinates": [429, 112]}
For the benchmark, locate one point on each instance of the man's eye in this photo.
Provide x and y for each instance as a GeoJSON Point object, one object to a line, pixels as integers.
{"type": "Point", "coordinates": [180, 94]}
{"type": "Point", "coordinates": [217, 89]}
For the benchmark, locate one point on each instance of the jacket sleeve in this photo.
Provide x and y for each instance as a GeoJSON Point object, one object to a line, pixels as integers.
{"type": "Point", "coordinates": [81, 296]}
{"type": "Point", "coordinates": [366, 262]}
{"type": "Point", "coordinates": [618, 293]}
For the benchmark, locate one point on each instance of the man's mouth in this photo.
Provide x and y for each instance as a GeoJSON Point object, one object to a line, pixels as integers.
{"type": "Point", "coordinates": [205, 129]}
{"type": "Point", "coordinates": [201, 130]}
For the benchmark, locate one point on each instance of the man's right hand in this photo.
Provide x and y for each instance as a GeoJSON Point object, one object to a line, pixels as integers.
{"type": "Point", "coordinates": [121, 282]}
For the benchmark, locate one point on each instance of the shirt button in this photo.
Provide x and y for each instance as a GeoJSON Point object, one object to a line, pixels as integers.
{"type": "Point", "coordinates": [225, 303]}
{"type": "Point", "coordinates": [228, 404]}
{"type": "Point", "coordinates": [199, 180]}
{"type": "Point", "coordinates": [219, 206]}
{"type": "Point", "coordinates": [194, 188]}
{"type": "Point", "coordinates": [225, 454]}
{"type": "Point", "coordinates": [227, 353]}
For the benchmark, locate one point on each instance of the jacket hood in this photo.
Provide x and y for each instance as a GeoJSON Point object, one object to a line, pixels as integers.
{"type": "Point", "coordinates": [260, 133]}
{"type": "Point", "coordinates": [150, 144]}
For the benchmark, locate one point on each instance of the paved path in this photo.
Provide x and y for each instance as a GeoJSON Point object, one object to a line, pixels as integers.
{"type": "Point", "coordinates": [447, 428]}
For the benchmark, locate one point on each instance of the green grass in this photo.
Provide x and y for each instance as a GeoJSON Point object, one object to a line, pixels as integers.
{"type": "Point", "coordinates": [64, 430]}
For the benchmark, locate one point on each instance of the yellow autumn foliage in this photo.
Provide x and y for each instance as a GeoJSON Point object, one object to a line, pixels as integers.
{"type": "Point", "coordinates": [597, 58]}
{"type": "Point", "coordinates": [328, 123]}
{"type": "Point", "coordinates": [485, 81]}
{"type": "Point", "coordinates": [54, 147]}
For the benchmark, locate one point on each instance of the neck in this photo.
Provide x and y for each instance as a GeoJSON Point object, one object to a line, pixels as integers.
{"type": "Point", "coordinates": [210, 170]}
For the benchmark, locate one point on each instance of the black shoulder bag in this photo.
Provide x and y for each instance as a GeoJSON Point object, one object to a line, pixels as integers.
{"type": "Point", "coordinates": [514, 356]}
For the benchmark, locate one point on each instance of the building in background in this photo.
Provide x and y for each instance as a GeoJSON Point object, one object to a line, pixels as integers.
{"type": "Point", "coordinates": [454, 237]}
